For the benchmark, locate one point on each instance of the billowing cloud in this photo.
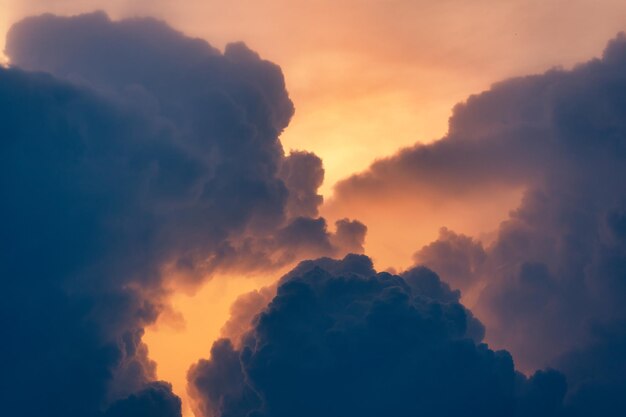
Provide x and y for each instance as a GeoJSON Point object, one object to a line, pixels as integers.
{"type": "Point", "coordinates": [243, 311]}
{"type": "Point", "coordinates": [79, 284]}
{"type": "Point", "coordinates": [341, 339]}
{"type": "Point", "coordinates": [551, 280]}
{"type": "Point", "coordinates": [303, 174]}
{"type": "Point", "coordinates": [220, 179]}
{"type": "Point", "coordinates": [131, 154]}
{"type": "Point", "coordinates": [378, 66]}
{"type": "Point", "coordinates": [455, 257]}
{"type": "Point", "coordinates": [156, 400]}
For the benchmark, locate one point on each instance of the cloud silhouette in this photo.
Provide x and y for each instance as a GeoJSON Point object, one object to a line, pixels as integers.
{"type": "Point", "coordinates": [341, 339]}
{"type": "Point", "coordinates": [131, 153]}
{"type": "Point", "coordinates": [156, 400]}
{"type": "Point", "coordinates": [551, 282]}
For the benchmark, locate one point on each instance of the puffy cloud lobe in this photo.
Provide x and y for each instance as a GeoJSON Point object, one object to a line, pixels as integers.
{"type": "Point", "coordinates": [350, 235]}
{"type": "Point", "coordinates": [303, 175]}
{"type": "Point", "coordinates": [340, 339]}
{"type": "Point", "coordinates": [220, 384]}
{"type": "Point", "coordinates": [456, 258]}
{"type": "Point", "coordinates": [131, 153]}
{"type": "Point", "coordinates": [217, 179]}
{"type": "Point", "coordinates": [554, 273]}
{"type": "Point", "coordinates": [155, 400]}
{"type": "Point", "coordinates": [243, 311]}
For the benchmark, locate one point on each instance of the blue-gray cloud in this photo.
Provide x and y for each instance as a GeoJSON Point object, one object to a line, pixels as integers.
{"type": "Point", "coordinates": [341, 339]}
{"type": "Point", "coordinates": [130, 151]}
{"type": "Point", "coordinates": [554, 276]}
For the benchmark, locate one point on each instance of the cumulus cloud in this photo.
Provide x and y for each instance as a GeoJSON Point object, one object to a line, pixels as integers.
{"type": "Point", "coordinates": [219, 178]}
{"type": "Point", "coordinates": [456, 258]}
{"type": "Point", "coordinates": [155, 400]}
{"type": "Point", "coordinates": [552, 278]}
{"type": "Point", "coordinates": [243, 311]}
{"type": "Point", "coordinates": [131, 153]}
{"type": "Point", "coordinates": [341, 339]}
{"type": "Point", "coordinates": [303, 174]}
{"type": "Point", "coordinates": [76, 278]}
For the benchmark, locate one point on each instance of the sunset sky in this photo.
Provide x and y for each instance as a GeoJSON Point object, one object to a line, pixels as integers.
{"type": "Point", "coordinates": [370, 76]}
{"type": "Point", "coordinates": [163, 183]}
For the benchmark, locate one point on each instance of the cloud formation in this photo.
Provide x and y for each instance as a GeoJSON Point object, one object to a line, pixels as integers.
{"type": "Point", "coordinates": [156, 400]}
{"type": "Point", "coordinates": [132, 154]}
{"type": "Point", "coordinates": [341, 339]}
{"type": "Point", "coordinates": [551, 282]}
{"type": "Point", "coordinates": [220, 180]}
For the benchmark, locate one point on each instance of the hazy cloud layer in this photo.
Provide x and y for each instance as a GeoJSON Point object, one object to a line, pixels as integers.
{"type": "Point", "coordinates": [132, 154]}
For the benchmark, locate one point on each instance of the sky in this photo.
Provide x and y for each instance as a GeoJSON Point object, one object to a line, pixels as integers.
{"type": "Point", "coordinates": [359, 69]}
{"type": "Point", "coordinates": [361, 191]}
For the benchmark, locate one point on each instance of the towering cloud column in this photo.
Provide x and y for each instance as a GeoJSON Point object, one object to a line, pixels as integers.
{"type": "Point", "coordinates": [131, 154]}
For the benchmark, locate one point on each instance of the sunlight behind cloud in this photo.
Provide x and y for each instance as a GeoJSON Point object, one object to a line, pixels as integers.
{"type": "Point", "coordinates": [373, 76]}
{"type": "Point", "coordinates": [185, 334]}
{"type": "Point", "coordinates": [367, 79]}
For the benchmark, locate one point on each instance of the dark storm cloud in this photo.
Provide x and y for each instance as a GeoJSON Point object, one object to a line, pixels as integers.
{"type": "Point", "coordinates": [555, 276]}
{"type": "Point", "coordinates": [219, 177]}
{"type": "Point", "coordinates": [129, 151]}
{"type": "Point", "coordinates": [340, 339]}
{"type": "Point", "coordinates": [72, 321]}
{"type": "Point", "coordinates": [155, 400]}
{"type": "Point", "coordinates": [350, 235]}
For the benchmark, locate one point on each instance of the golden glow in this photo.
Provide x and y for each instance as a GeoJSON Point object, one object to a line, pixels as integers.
{"type": "Point", "coordinates": [401, 223]}
{"type": "Point", "coordinates": [184, 335]}
{"type": "Point", "coordinates": [367, 77]}
{"type": "Point", "coordinates": [359, 120]}
{"type": "Point", "coordinates": [5, 18]}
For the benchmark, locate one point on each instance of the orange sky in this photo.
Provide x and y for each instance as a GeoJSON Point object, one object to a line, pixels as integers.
{"type": "Point", "coordinates": [181, 338]}
{"type": "Point", "coordinates": [366, 77]}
